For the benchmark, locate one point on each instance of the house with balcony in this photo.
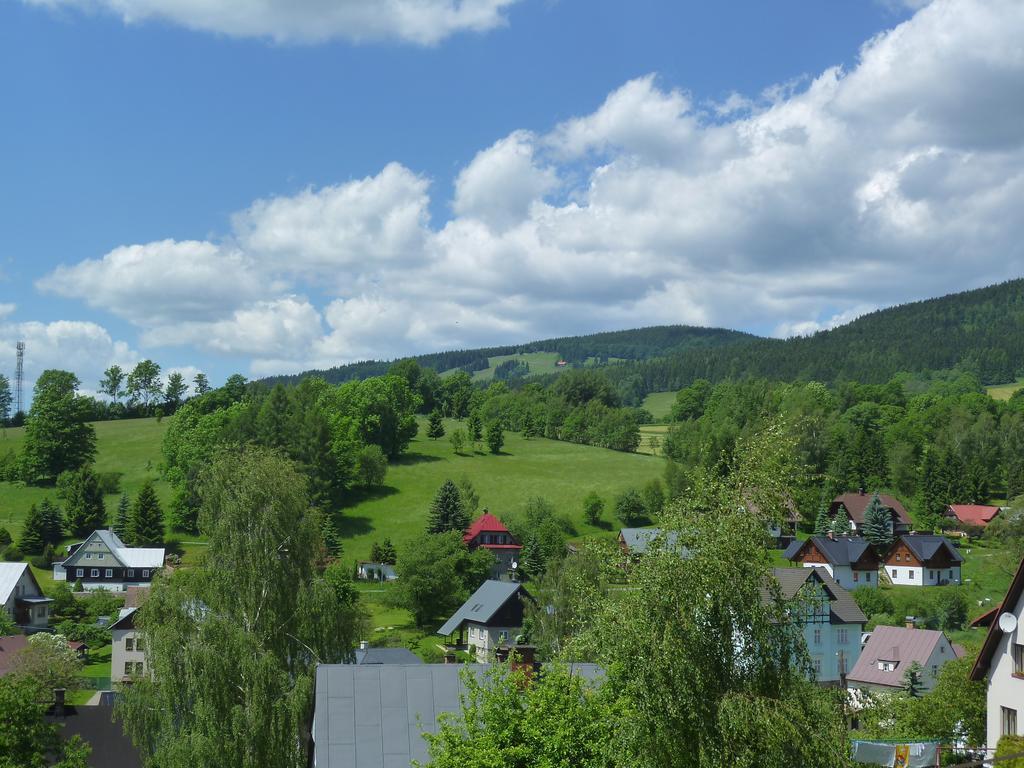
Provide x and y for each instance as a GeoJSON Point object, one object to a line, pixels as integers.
{"type": "Point", "coordinates": [491, 617]}
{"type": "Point", "coordinates": [488, 532]}
{"type": "Point", "coordinates": [22, 597]}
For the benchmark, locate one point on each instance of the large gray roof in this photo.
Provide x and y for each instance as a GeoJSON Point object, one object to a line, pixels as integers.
{"type": "Point", "coordinates": [925, 547]}
{"type": "Point", "coordinates": [843, 608]}
{"type": "Point", "coordinates": [842, 550]}
{"type": "Point", "coordinates": [373, 655]}
{"type": "Point", "coordinates": [129, 557]}
{"type": "Point", "coordinates": [639, 540]}
{"type": "Point", "coordinates": [483, 604]}
{"type": "Point", "coordinates": [10, 573]}
{"type": "Point", "coordinates": [373, 716]}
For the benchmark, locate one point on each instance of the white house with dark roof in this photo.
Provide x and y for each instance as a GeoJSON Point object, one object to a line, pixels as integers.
{"type": "Point", "coordinates": [491, 617]}
{"type": "Point", "coordinates": [103, 561]}
{"type": "Point", "coordinates": [889, 653]}
{"type": "Point", "coordinates": [128, 648]}
{"type": "Point", "coordinates": [919, 560]}
{"type": "Point", "coordinates": [22, 597]}
{"type": "Point", "coordinates": [852, 506]}
{"type": "Point", "coordinates": [1001, 663]}
{"type": "Point", "coordinates": [849, 560]}
{"type": "Point", "coordinates": [832, 621]}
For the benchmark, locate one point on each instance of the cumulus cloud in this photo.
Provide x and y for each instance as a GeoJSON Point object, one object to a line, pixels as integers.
{"type": "Point", "coordinates": [423, 22]}
{"type": "Point", "coordinates": [789, 212]}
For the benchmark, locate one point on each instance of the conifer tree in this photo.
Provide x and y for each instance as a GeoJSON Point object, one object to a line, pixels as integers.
{"type": "Point", "coordinates": [822, 523]}
{"type": "Point", "coordinates": [446, 511]}
{"type": "Point", "coordinates": [122, 519]}
{"type": "Point", "coordinates": [329, 534]}
{"type": "Point", "coordinates": [147, 518]}
{"type": "Point", "coordinates": [531, 559]}
{"type": "Point", "coordinates": [877, 521]}
{"type": "Point", "coordinates": [530, 426]}
{"type": "Point", "coordinates": [475, 425]}
{"type": "Point", "coordinates": [495, 436]}
{"type": "Point", "coordinates": [931, 497]}
{"type": "Point", "coordinates": [33, 531]}
{"type": "Point", "coordinates": [272, 422]}
{"type": "Point", "coordinates": [436, 427]}
{"type": "Point", "coordinates": [83, 502]}
{"type": "Point", "coordinates": [53, 522]}
{"type": "Point", "coordinates": [376, 553]}
{"type": "Point", "coordinates": [387, 552]}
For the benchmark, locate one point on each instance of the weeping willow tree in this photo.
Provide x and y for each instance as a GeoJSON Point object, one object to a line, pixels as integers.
{"type": "Point", "coordinates": [232, 645]}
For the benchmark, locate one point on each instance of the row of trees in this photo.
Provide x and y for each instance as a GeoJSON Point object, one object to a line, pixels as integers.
{"type": "Point", "coordinates": [142, 390]}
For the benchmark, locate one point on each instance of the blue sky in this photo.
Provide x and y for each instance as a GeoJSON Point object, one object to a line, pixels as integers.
{"type": "Point", "coordinates": [277, 190]}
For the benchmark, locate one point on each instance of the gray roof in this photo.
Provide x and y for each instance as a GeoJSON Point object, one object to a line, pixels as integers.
{"type": "Point", "coordinates": [899, 644]}
{"type": "Point", "coordinates": [129, 557]}
{"type": "Point", "coordinates": [842, 606]}
{"type": "Point", "coordinates": [386, 656]}
{"type": "Point", "coordinates": [9, 575]}
{"type": "Point", "coordinates": [373, 716]}
{"type": "Point", "coordinates": [925, 547]}
{"type": "Point", "coordinates": [483, 604]}
{"type": "Point", "coordinates": [638, 540]}
{"type": "Point", "coordinates": [842, 550]}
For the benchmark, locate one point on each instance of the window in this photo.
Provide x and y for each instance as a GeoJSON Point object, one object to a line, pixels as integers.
{"type": "Point", "coordinates": [100, 556]}
{"type": "Point", "coordinates": [129, 667]}
{"type": "Point", "coordinates": [502, 637]}
{"type": "Point", "coordinates": [942, 649]}
{"type": "Point", "coordinates": [79, 572]}
{"type": "Point", "coordinates": [910, 573]}
{"type": "Point", "coordinates": [94, 573]}
{"type": "Point", "coordinates": [856, 576]}
{"type": "Point", "coordinates": [897, 557]}
{"type": "Point", "coordinates": [88, 555]}
{"type": "Point", "coordinates": [109, 573]}
{"type": "Point", "coordinates": [129, 643]}
{"type": "Point", "coordinates": [887, 666]}
{"type": "Point", "coordinates": [139, 644]}
{"type": "Point", "coordinates": [1018, 659]}
{"type": "Point", "coordinates": [1007, 721]}
{"type": "Point", "coordinates": [950, 573]}
{"type": "Point", "coordinates": [931, 575]}
{"type": "Point", "coordinates": [894, 573]}
{"type": "Point", "coordinates": [131, 572]}
{"type": "Point", "coordinates": [935, 670]}
{"type": "Point", "coordinates": [817, 637]}
{"type": "Point", "coordinates": [867, 577]}
{"type": "Point", "coordinates": [842, 636]}
{"type": "Point", "coordinates": [145, 573]}
{"type": "Point", "coordinates": [817, 665]}
{"type": "Point", "coordinates": [139, 667]}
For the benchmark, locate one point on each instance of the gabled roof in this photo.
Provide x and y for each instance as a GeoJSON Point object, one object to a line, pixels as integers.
{"type": "Point", "coordinates": [102, 730]}
{"type": "Point", "coordinates": [129, 557]}
{"type": "Point", "coordinates": [843, 607]}
{"type": "Point", "coordinates": [791, 514]}
{"type": "Point", "coordinates": [638, 540]}
{"type": "Point", "coordinates": [10, 574]}
{"type": "Point", "coordinates": [973, 514]}
{"type": "Point", "coordinates": [856, 504]}
{"type": "Point", "coordinates": [126, 620]}
{"type": "Point", "coordinates": [486, 523]}
{"type": "Point", "coordinates": [842, 550]}
{"type": "Point", "coordinates": [995, 634]}
{"type": "Point", "coordinates": [898, 644]}
{"type": "Point", "coordinates": [483, 604]}
{"type": "Point", "coordinates": [925, 547]}
{"type": "Point", "coordinates": [386, 656]}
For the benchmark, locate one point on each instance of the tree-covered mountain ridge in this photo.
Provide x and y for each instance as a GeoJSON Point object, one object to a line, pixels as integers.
{"type": "Point", "coordinates": [981, 330]}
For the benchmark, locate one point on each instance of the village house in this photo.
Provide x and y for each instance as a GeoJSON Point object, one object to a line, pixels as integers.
{"type": "Point", "coordinates": [368, 571]}
{"type": "Point", "coordinates": [488, 532]}
{"type": "Point", "coordinates": [850, 560]}
{"type": "Point", "coordinates": [491, 617]}
{"type": "Point", "coordinates": [852, 507]}
{"type": "Point", "coordinates": [832, 621]}
{"type": "Point", "coordinates": [128, 656]}
{"type": "Point", "coordinates": [374, 716]}
{"type": "Point", "coordinates": [1001, 663]}
{"type": "Point", "coordinates": [368, 654]}
{"type": "Point", "coordinates": [634, 542]}
{"type": "Point", "coordinates": [103, 561]}
{"type": "Point", "coordinates": [890, 652]}
{"type": "Point", "coordinates": [782, 531]}
{"type": "Point", "coordinates": [22, 597]}
{"type": "Point", "coordinates": [923, 561]}
{"type": "Point", "coordinates": [979, 515]}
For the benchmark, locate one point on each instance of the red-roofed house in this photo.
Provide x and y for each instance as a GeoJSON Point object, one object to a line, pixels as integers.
{"type": "Point", "coordinates": [490, 533]}
{"type": "Point", "coordinates": [853, 506]}
{"type": "Point", "coordinates": [972, 514]}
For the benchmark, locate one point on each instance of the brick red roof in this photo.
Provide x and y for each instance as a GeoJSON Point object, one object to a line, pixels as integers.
{"type": "Point", "coordinates": [857, 503]}
{"type": "Point", "coordinates": [973, 514]}
{"type": "Point", "coordinates": [486, 523]}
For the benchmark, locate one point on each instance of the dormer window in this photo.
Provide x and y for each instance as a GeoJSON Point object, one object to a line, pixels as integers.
{"type": "Point", "coordinates": [887, 666]}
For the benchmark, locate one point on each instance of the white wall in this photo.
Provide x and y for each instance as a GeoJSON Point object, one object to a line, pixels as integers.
{"type": "Point", "coordinates": [917, 576]}
{"type": "Point", "coordinates": [486, 639]}
{"type": "Point", "coordinates": [1005, 690]}
{"type": "Point", "coordinates": [39, 614]}
{"type": "Point", "coordinates": [119, 655]}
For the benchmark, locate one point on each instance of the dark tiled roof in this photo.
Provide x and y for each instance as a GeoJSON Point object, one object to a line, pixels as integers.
{"type": "Point", "coordinates": [842, 550]}
{"type": "Point", "coordinates": [843, 607]}
{"type": "Point", "coordinates": [111, 748]}
{"type": "Point", "coordinates": [857, 503]}
{"type": "Point", "coordinates": [372, 716]}
{"type": "Point", "coordinates": [483, 604]}
{"type": "Point", "coordinates": [386, 656]}
{"type": "Point", "coordinates": [995, 634]}
{"type": "Point", "coordinates": [925, 547]}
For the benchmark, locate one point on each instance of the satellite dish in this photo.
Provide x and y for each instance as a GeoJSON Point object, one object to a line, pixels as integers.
{"type": "Point", "coordinates": [1007, 622]}
{"type": "Point", "coordinates": [514, 565]}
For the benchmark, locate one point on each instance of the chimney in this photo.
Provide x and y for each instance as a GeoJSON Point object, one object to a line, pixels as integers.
{"type": "Point", "coordinates": [830, 535]}
{"type": "Point", "coordinates": [58, 702]}
{"type": "Point", "coordinates": [364, 644]}
{"type": "Point", "coordinates": [911, 622]}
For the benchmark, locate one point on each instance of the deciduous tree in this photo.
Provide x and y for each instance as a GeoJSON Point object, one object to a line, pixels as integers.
{"type": "Point", "coordinates": [57, 435]}
{"type": "Point", "coordinates": [112, 383]}
{"type": "Point", "coordinates": [495, 436]}
{"type": "Point", "coordinates": [143, 385]}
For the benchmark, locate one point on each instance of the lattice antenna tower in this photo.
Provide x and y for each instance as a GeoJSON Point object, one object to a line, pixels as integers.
{"type": "Point", "coordinates": [19, 376]}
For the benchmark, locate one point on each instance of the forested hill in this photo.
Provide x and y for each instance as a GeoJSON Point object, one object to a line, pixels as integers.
{"type": "Point", "coordinates": [631, 345]}
{"type": "Point", "coordinates": [980, 330]}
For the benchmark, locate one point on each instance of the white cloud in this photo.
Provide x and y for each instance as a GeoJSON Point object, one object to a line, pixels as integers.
{"type": "Point", "coordinates": [423, 22]}
{"type": "Point", "coordinates": [793, 211]}
{"type": "Point", "coordinates": [7, 309]}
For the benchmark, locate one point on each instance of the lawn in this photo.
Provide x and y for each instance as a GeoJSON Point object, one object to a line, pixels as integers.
{"type": "Point", "coordinates": [131, 446]}
{"type": "Point", "coordinates": [97, 672]}
{"type": "Point", "coordinates": [659, 404]}
{"type": "Point", "coordinates": [563, 473]}
{"type": "Point", "coordinates": [1003, 391]}
{"type": "Point", "coordinates": [652, 438]}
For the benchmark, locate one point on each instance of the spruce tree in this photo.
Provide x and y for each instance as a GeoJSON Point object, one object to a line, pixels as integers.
{"type": "Point", "coordinates": [495, 436]}
{"type": "Point", "coordinates": [33, 532]}
{"type": "Point", "coordinates": [822, 523]}
{"type": "Point", "coordinates": [931, 498]}
{"type": "Point", "coordinates": [147, 519]}
{"type": "Point", "coordinates": [83, 502]}
{"type": "Point", "coordinates": [53, 522]}
{"type": "Point", "coordinates": [122, 519]}
{"type": "Point", "coordinates": [376, 554]}
{"type": "Point", "coordinates": [475, 425]}
{"type": "Point", "coordinates": [436, 427]}
{"type": "Point", "coordinates": [329, 534]}
{"type": "Point", "coordinates": [387, 552]}
{"type": "Point", "coordinates": [877, 520]}
{"type": "Point", "coordinates": [446, 511]}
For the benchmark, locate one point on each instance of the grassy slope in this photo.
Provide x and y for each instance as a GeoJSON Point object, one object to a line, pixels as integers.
{"type": "Point", "coordinates": [563, 473]}
{"type": "Point", "coordinates": [1004, 391]}
{"type": "Point", "coordinates": [131, 446]}
{"type": "Point", "coordinates": [659, 404]}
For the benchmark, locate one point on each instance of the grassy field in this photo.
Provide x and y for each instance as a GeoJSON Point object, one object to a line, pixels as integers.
{"type": "Point", "coordinates": [563, 473]}
{"type": "Point", "coordinates": [652, 437]}
{"type": "Point", "coordinates": [131, 446]}
{"type": "Point", "coordinates": [539, 362]}
{"type": "Point", "coordinates": [1003, 391]}
{"type": "Point", "coordinates": [659, 404]}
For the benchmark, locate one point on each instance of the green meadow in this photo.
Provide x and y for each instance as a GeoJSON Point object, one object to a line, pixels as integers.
{"type": "Point", "coordinates": [1004, 391]}
{"type": "Point", "coordinates": [659, 404]}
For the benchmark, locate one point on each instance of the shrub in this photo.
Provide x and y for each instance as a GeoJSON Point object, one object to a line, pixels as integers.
{"type": "Point", "coordinates": [872, 601]}
{"type": "Point", "coordinates": [13, 554]}
{"type": "Point", "coordinates": [371, 466]}
{"type": "Point", "coordinates": [44, 561]}
{"type": "Point", "coordinates": [629, 508]}
{"type": "Point", "coordinates": [1010, 745]}
{"type": "Point", "coordinates": [5, 537]}
{"type": "Point", "coordinates": [109, 482]}
{"type": "Point", "coordinates": [951, 609]}
{"type": "Point", "coordinates": [593, 506]}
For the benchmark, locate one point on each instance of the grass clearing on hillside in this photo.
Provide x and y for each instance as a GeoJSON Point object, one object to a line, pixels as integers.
{"type": "Point", "coordinates": [129, 446]}
{"type": "Point", "coordinates": [659, 404]}
{"type": "Point", "coordinates": [652, 439]}
{"type": "Point", "coordinates": [563, 473]}
{"type": "Point", "coordinates": [1004, 391]}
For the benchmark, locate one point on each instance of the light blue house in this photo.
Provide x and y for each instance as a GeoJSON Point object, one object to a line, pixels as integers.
{"type": "Point", "coordinates": [832, 621]}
